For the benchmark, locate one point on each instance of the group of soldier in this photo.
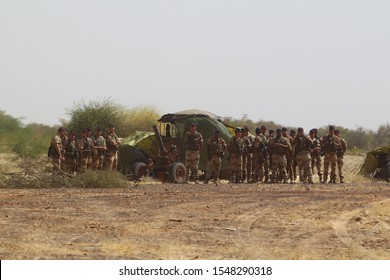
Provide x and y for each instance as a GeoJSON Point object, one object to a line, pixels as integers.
{"type": "Point", "coordinates": [277, 157]}
{"type": "Point", "coordinates": [71, 155]}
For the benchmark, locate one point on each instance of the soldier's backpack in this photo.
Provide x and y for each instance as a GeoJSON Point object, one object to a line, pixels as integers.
{"type": "Point", "coordinates": [50, 150]}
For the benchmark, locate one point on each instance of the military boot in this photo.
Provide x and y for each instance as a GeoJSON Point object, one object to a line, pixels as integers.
{"type": "Point", "coordinates": [320, 178]}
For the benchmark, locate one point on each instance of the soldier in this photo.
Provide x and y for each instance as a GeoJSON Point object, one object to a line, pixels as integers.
{"type": "Point", "coordinates": [270, 136]}
{"type": "Point", "coordinates": [302, 145]}
{"type": "Point", "coordinates": [236, 148]}
{"type": "Point", "coordinates": [71, 154]}
{"type": "Point", "coordinates": [85, 149]}
{"type": "Point", "coordinates": [340, 155]}
{"type": "Point", "coordinates": [289, 156]}
{"type": "Point", "coordinates": [294, 162]}
{"type": "Point", "coordinates": [56, 151]}
{"type": "Point", "coordinates": [113, 142]}
{"type": "Point", "coordinates": [316, 153]}
{"type": "Point", "coordinates": [216, 147]}
{"type": "Point", "coordinates": [330, 144]}
{"type": "Point", "coordinates": [247, 155]}
{"type": "Point", "coordinates": [279, 147]}
{"type": "Point", "coordinates": [260, 154]}
{"type": "Point", "coordinates": [99, 148]}
{"type": "Point", "coordinates": [193, 143]}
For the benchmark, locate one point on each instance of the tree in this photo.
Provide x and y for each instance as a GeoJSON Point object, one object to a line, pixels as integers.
{"type": "Point", "coordinates": [96, 113]}
{"type": "Point", "coordinates": [102, 112]}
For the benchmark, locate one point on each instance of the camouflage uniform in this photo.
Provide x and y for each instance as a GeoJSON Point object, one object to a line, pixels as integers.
{"type": "Point", "coordinates": [279, 158]}
{"type": "Point", "coordinates": [316, 155]}
{"type": "Point", "coordinates": [340, 156]}
{"type": "Point", "coordinates": [85, 151]}
{"type": "Point", "coordinates": [294, 163]}
{"type": "Point", "coordinates": [216, 147]}
{"type": "Point", "coordinates": [56, 154]}
{"type": "Point", "coordinates": [302, 146]}
{"type": "Point", "coordinates": [247, 158]}
{"type": "Point", "coordinates": [260, 162]}
{"type": "Point", "coordinates": [111, 156]}
{"type": "Point", "coordinates": [99, 149]}
{"type": "Point", "coordinates": [330, 144]}
{"type": "Point", "coordinates": [289, 156]}
{"type": "Point", "coordinates": [71, 155]}
{"type": "Point", "coordinates": [235, 148]}
{"type": "Point", "coordinates": [193, 143]}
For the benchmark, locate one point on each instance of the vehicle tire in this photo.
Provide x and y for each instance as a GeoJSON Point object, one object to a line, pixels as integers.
{"type": "Point", "coordinates": [140, 170]}
{"type": "Point", "coordinates": [178, 173]}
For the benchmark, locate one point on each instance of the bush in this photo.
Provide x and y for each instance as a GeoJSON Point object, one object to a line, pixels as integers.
{"type": "Point", "coordinates": [101, 179]}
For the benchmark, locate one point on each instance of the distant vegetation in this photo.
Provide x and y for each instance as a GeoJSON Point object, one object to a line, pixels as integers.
{"type": "Point", "coordinates": [32, 140]}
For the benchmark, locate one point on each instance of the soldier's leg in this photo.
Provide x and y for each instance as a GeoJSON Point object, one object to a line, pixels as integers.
{"type": "Point", "coordinates": [255, 168]}
{"type": "Point", "coordinates": [209, 171]}
{"type": "Point", "coordinates": [282, 168]}
{"type": "Point", "coordinates": [326, 167]}
{"type": "Point", "coordinates": [308, 169]}
{"type": "Point", "coordinates": [217, 168]}
{"type": "Point", "coordinates": [274, 168]}
{"type": "Point", "coordinates": [244, 167]}
{"type": "Point", "coordinates": [249, 167]}
{"type": "Point", "coordinates": [300, 162]}
{"type": "Point", "coordinates": [333, 165]}
{"type": "Point", "coordinates": [318, 165]}
{"type": "Point", "coordinates": [340, 164]}
{"type": "Point", "coordinates": [56, 167]}
{"type": "Point", "coordinates": [239, 169]}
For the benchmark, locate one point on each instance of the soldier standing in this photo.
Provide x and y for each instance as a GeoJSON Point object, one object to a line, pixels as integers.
{"type": "Point", "coordinates": [56, 151]}
{"type": "Point", "coordinates": [340, 154]}
{"type": "Point", "coordinates": [289, 156]}
{"type": "Point", "coordinates": [99, 148]}
{"type": "Point", "coordinates": [279, 147]}
{"type": "Point", "coordinates": [302, 145]}
{"type": "Point", "coordinates": [259, 156]}
{"type": "Point", "coordinates": [247, 155]}
{"type": "Point", "coordinates": [193, 143]}
{"type": "Point", "coordinates": [85, 149]}
{"type": "Point", "coordinates": [236, 148]}
{"type": "Point", "coordinates": [111, 155]}
{"type": "Point", "coordinates": [71, 154]}
{"type": "Point", "coordinates": [216, 147]}
{"type": "Point", "coordinates": [330, 144]}
{"type": "Point", "coordinates": [316, 153]}
{"type": "Point", "coordinates": [294, 163]}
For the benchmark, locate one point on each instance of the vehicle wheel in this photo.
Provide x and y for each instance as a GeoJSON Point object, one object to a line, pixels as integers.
{"type": "Point", "coordinates": [178, 173]}
{"type": "Point", "coordinates": [140, 170]}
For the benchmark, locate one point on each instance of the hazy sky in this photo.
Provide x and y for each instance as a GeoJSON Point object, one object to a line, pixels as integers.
{"type": "Point", "coordinates": [298, 63]}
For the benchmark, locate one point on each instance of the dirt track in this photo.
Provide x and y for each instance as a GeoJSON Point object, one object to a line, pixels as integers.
{"type": "Point", "coordinates": [161, 221]}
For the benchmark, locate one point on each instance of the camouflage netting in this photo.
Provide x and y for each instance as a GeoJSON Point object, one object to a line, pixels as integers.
{"type": "Point", "coordinates": [374, 161]}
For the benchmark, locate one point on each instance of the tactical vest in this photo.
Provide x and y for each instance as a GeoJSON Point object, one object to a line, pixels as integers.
{"type": "Point", "coordinates": [216, 148]}
{"type": "Point", "coordinates": [71, 149]}
{"type": "Point", "coordinates": [237, 145]}
{"type": "Point", "coordinates": [110, 139]}
{"type": "Point", "coordinates": [330, 145]}
{"type": "Point", "coordinates": [302, 144]}
{"type": "Point", "coordinates": [279, 150]}
{"type": "Point", "coordinates": [193, 142]}
{"type": "Point", "coordinates": [88, 144]}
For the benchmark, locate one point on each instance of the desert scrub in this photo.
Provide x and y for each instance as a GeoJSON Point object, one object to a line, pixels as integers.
{"type": "Point", "coordinates": [101, 179]}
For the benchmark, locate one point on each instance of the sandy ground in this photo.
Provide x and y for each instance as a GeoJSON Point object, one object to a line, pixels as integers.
{"type": "Point", "coordinates": [168, 221]}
